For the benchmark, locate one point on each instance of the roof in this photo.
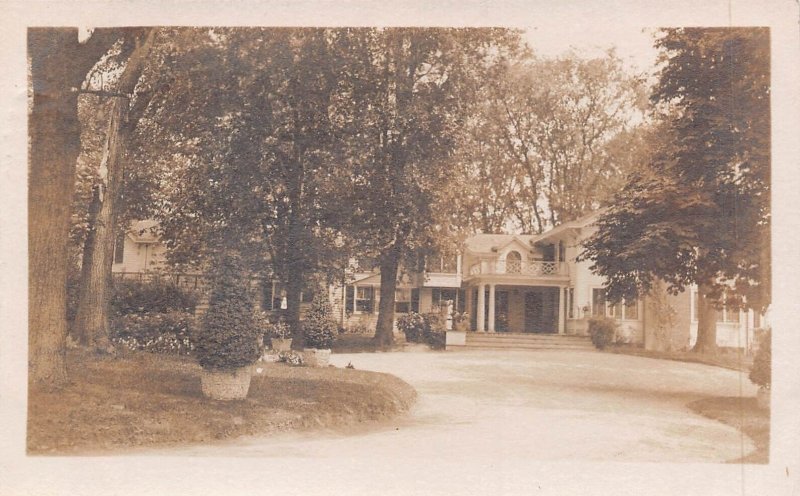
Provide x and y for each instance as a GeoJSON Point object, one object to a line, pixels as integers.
{"type": "Point", "coordinates": [486, 243]}
{"type": "Point", "coordinates": [144, 231]}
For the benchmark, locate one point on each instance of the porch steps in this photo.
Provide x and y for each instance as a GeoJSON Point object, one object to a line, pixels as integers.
{"type": "Point", "coordinates": [527, 341]}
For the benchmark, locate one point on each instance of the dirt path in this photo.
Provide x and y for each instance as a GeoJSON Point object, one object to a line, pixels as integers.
{"type": "Point", "coordinates": [549, 405]}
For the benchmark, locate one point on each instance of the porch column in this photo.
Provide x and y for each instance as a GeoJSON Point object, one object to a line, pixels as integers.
{"type": "Point", "coordinates": [481, 307]}
{"type": "Point", "coordinates": [561, 313]}
{"type": "Point", "coordinates": [468, 305]}
{"type": "Point", "coordinates": [491, 307]}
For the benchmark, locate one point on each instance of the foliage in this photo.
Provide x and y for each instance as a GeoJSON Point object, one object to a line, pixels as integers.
{"type": "Point", "coordinates": [132, 296]}
{"type": "Point", "coordinates": [292, 358]}
{"type": "Point", "coordinates": [228, 337]}
{"type": "Point", "coordinates": [319, 327]}
{"type": "Point", "coordinates": [426, 328]}
{"type": "Point", "coordinates": [761, 371]}
{"type": "Point", "coordinates": [169, 332]}
{"type": "Point", "coordinates": [602, 331]}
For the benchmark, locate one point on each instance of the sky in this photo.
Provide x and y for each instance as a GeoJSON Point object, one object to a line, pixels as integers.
{"type": "Point", "coordinates": [633, 45]}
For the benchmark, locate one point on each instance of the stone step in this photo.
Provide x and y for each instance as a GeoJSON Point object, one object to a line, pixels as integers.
{"type": "Point", "coordinates": [523, 347]}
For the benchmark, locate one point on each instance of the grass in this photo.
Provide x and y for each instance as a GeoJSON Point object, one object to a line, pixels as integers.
{"type": "Point", "coordinates": [743, 414]}
{"type": "Point", "coordinates": [155, 400]}
{"type": "Point", "coordinates": [726, 358]}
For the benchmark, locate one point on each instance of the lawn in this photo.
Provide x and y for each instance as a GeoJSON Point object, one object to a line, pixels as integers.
{"type": "Point", "coordinates": [745, 415]}
{"type": "Point", "coordinates": [147, 400]}
{"type": "Point", "coordinates": [726, 358]}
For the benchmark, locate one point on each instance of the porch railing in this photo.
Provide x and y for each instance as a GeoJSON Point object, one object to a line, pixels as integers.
{"type": "Point", "coordinates": [518, 267]}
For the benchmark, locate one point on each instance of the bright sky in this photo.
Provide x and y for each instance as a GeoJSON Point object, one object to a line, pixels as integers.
{"type": "Point", "coordinates": [634, 45]}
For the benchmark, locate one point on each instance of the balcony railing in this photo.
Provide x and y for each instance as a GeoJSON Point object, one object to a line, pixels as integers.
{"type": "Point", "coordinates": [517, 267]}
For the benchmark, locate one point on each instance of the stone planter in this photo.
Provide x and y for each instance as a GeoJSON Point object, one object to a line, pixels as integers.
{"type": "Point", "coordinates": [279, 344]}
{"type": "Point", "coordinates": [316, 358]}
{"type": "Point", "coordinates": [763, 397]}
{"type": "Point", "coordinates": [226, 385]}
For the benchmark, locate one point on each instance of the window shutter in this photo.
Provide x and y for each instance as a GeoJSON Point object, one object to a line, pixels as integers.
{"type": "Point", "coordinates": [415, 300]}
{"type": "Point", "coordinates": [348, 300]}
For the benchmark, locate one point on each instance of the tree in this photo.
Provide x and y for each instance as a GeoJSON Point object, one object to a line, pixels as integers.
{"type": "Point", "coordinates": [92, 322]}
{"type": "Point", "coordinates": [550, 123]}
{"type": "Point", "coordinates": [404, 96]}
{"type": "Point", "coordinates": [59, 63]}
{"type": "Point", "coordinates": [698, 212]}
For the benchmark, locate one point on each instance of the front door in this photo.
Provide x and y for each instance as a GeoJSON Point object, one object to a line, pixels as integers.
{"type": "Point", "coordinates": [541, 312]}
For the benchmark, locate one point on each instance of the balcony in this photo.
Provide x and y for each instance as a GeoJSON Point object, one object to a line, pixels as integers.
{"type": "Point", "coordinates": [518, 268]}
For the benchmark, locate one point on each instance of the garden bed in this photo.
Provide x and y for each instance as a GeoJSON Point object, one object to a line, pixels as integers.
{"type": "Point", "coordinates": [743, 414]}
{"type": "Point", "coordinates": [155, 400]}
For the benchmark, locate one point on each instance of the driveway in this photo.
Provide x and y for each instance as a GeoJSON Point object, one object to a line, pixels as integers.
{"type": "Point", "coordinates": [536, 405]}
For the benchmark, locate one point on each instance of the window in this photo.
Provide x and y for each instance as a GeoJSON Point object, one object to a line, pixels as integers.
{"type": "Point", "coordinates": [119, 248]}
{"type": "Point", "coordinates": [267, 293]}
{"type": "Point", "coordinates": [623, 310]}
{"type": "Point", "coordinates": [402, 300]}
{"type": "Point", "coordinates": [349, 299]}
{"type": "Point", "coordinates": [446, 264]}
{"type": "Point", "coordinates": [513, 262]}
{"type": "Point", "coordinates": [365, 296]}
{"type": "Point", "coordinates": [440, 296]}
{"type": "Point", "coordinates": [724, 315]}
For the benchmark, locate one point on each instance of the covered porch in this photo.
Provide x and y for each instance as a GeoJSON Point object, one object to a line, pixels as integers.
{"type": "Point", "coordinates": [537, 308]}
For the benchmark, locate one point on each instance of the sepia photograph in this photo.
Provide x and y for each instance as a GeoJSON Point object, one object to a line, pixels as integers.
{"type": "Point", "coordinates": [390, 256]}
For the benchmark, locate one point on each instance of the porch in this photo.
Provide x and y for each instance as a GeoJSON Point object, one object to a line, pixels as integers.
{"type": "Point", "coordinates": [516, 308]}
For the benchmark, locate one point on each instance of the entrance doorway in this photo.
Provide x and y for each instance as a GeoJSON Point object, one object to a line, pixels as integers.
{"type": "Point", "coordinates": [541, 310]}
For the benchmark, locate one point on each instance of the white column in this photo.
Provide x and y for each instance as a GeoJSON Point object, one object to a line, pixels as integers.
{"type": "Point", "coordinates": [491, 307]}
{"type": "Point", "coordinates": [561, 313]}
{"type": "Point", "coordinates": [481, 307]}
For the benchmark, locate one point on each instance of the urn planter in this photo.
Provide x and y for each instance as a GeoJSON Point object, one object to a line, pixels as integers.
{"type": "Point", "coordinates": [314, 357]}
{"type": "Point", "coordinates": [226, 385]}
{"type": "Point", "coordinates": [282, 344]}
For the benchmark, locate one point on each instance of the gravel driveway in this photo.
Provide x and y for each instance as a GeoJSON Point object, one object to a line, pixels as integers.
{"type": "Point", "coordinates": [545, 405]}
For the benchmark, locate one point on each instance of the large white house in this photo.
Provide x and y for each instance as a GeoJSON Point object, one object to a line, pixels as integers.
{"type": "Point", "coordinates": [507, 284]}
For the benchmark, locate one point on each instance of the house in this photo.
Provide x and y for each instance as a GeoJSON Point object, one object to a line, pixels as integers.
{"type": "Point", "coordinates": [520, 284]}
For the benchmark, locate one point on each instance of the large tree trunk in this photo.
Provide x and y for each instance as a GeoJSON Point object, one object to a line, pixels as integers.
{"type": "Point", "coordinates": [92, 319]}
{"type": "Point", "coordinates": [706, 323]}
{"type": "Point", "coordinates": [293, 288]}
{"type": "Point", "coordinates": [54, 146]}
{"type": "Point", "coordinates": [384, 330]}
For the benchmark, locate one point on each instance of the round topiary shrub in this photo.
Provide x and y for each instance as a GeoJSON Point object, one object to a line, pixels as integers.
{"type": "Point", "coordinates": [761, 371]}
{"type": "Point", "coordinates": [602, 331]}
{"type": "Point", "coordinates": [319, 327]}
{"type": "Point", "coordinates": [412, 326]}
{"type": "Point", "coordinates": [228, 338]}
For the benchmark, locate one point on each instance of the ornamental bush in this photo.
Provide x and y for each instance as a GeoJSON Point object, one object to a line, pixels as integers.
{"type": "Point", "coordinates": [319, 326]}
{"type": "Point", "coordinates": [228, 338]}
{"type": "Point", "coordinates": [426, 328]}
{"type": "Point", "coordinates": [602, 331]}
{"type": "Point", "coordinates": [761, 371]}
{"type": "Point", "coordinates": [169, 333]}
{"type": "Point", "coordinates": [132, 296]}
{"type": "Point", "coordinates": [412, 325]}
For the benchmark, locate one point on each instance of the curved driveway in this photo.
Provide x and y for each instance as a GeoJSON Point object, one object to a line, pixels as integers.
{"type": "Point", "coordinates": [539, 405]}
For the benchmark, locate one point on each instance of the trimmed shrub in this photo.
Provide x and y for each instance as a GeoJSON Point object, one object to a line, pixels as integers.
{"type": "Point", "coordinates": [412, 325]}
{"type": "Point", "coordinates": [169, 333]}
{"type": "Point", "coordinates": [761, 371]}
{"type": "Point", "coordinates": [602, 331]}
{"type": "Point", "coordinates": [319, 327]}
{"type": "Point", "coordinates": [132, 296]}
{"type": "Point", "coordinates": [228, 337]}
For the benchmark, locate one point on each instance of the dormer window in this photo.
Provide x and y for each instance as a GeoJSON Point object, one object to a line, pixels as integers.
{"type": "Point", "coordinates": [513, 262]}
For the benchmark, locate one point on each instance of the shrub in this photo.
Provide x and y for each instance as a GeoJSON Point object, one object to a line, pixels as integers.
{"type": "Point", "coordinates": [132, 296]}
{"type": "Point", "coordinates": [602, 330]}
{"type": "Point", "coordinates": [228, 336]}
{"type": "Point", "coordinates": [319, 327]}
{"type": "Point", "coordinates": [428, 328]}
{"type": "Point", "coordinates": [761, 371]}
{"type": "Point", "coordinates": [413, 326]}
{"type": "Point", "coordinates": [169, 333]}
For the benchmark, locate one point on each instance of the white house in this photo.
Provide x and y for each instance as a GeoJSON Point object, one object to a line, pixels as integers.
{"type": "Point", "coordinates": [517, 284]}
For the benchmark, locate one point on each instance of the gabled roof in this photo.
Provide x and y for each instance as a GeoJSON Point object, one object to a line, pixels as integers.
{"type": "Point", "coordinates": [488, 243]}
{"type": "Point", "coordinates": [144, 231]}
{"type": "Point", "coordinates": [562, 229]}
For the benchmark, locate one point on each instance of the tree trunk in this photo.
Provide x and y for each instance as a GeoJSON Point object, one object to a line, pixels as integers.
{"type": "Point", "coordinates": [293, 288]}
{"type": "Point", "coordinates": [706, 323]}
{"type": "Point", "coordinates": [54, 146]}
{"type": "Point", "coordinates": [92, 319]}
{"type": "Point", "coordinates": [384, 333]}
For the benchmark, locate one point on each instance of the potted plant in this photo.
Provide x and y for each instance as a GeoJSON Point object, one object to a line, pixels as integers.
{"type": "Point", "coordinates": [280, 336]}
{"type": "Point", "coordinates": [226, 342]}
{"type": "Point", "coordinates": [461, 322]}
{"type": "Point", "coordinates": [761, 371]}
{"type": "Point", "coordinates": [319, 330]}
